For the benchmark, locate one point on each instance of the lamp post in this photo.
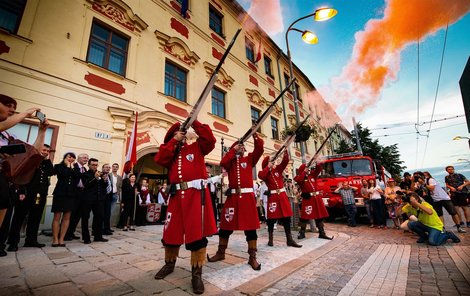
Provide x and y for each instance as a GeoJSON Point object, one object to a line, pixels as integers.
{"type": "Point", "coordinates": [319, 15]}
{"type": "Point", "coordinates": [461, 138]}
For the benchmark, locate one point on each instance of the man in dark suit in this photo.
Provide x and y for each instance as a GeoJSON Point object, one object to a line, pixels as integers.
{"type": "Point", "coordinates": [116, 183]}
{"type": "Point", "coordinates": [108, 198]}
{"type": "Point", "coordinates": [97, 186]}
{"type": "Point", "coordinates": [32, 205]}
{"type": "Point", "coordinates": [80, 170]}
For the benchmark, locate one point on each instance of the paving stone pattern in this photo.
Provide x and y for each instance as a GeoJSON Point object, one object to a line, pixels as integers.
{"type": "Point", "coordinates": [380, 262]}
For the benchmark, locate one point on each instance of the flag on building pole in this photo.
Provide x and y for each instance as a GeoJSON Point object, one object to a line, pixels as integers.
{"type": "Point", "coordinates": [131, 156]}
{"type": "Point", "coordinates": [184, 8]}
{"type": "Point", "coordinates": [258, 55]}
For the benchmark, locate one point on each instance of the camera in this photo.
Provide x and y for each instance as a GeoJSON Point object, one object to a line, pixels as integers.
{"type": "Point", "coordinates": [404, 197]}
{"type": "Point", "coordinates": [416, 178]}
{"type": "Point", "coordinates": [41, 116]}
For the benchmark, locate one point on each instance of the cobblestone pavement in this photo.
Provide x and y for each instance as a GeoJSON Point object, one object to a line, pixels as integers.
{"type": "Point", "coordinates": [359, 261]}
{"type": "Point", "coordinates": [382, 262]}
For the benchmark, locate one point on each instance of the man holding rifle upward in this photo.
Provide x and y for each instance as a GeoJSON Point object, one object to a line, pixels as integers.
{"type": "Point", "coordinates": [189, 218]}
{"type": "Point", "coordinates": [312, 204]}
{"type": "Point", "coordinates": [239, 212]}
{"type": "Point", "coordinates": [278, 203]}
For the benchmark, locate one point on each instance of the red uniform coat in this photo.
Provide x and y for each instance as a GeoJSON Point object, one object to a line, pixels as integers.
{"type": "Point", "coordinates": [239, 212]}
{"type": "Point", "coordinates": [278, 204]}
{"type": "Point", "coordinates": [184, 214]}
{"type": "Point", "coordinates": [313, 207]}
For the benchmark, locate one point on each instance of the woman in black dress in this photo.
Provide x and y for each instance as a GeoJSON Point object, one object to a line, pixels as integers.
{"type": "Point", "coordinates": [63, 198]}
{"type": "Point", "coordinates": [128, 202]}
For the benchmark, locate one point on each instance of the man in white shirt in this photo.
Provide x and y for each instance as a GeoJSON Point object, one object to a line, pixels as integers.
{"type": "Point", "coordinates": [441, 199]}
{"type": "Point", "coordinates": [112, 197]}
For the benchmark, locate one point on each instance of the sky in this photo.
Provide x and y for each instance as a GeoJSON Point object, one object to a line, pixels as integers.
{"type": "Point", "coordinates": [368, 65]}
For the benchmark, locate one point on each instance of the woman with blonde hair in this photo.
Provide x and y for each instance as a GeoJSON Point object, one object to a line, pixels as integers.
{"type": "Point", "coordinates": [392, 201]}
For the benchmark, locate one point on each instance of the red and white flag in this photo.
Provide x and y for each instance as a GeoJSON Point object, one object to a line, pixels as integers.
{"type": "Point", "coordinates": [131, 156]}
{"type": "Point", "coordinates": [259, 54]}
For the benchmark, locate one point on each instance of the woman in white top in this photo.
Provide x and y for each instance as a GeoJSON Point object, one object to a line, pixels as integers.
{"type": "Point", "coordinates": [377, 204]}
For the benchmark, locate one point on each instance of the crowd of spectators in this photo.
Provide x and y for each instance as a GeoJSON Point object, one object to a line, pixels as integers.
{"type": "Point", "coordinates": [81, 189]}
{"type": "Point", "coordinates": [418, 198]}
{"type": "Point", "coordinates": [416, 204]}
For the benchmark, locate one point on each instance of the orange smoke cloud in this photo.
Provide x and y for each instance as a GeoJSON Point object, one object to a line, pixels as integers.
{"type": "Point", "coordinates": [268, 14]}
{"type": "Point", "coordinates": [375, 61]}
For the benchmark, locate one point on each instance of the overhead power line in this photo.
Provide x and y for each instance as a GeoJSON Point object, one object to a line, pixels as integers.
{"type": "Point", "coordinates": [397, 125]}
{"type": "Point", "coordinates": [414, 133]}
{"type": "Point", "coordinates": [437, 90]}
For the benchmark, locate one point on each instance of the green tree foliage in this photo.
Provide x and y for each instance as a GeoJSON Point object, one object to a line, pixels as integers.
{"type": "Point", "coordinates": [389, 156]}
{"type": "Point", "coordinates": [344, 147]}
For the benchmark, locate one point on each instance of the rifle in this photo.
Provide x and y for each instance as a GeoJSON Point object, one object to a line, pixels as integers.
{"type": "Point", "coordinates": [263, 116]}
{"type": "Point", "coordinates": [321, 146]}
{"type": "Point", "coordinates": [289, 140]}
{"type": "Point", "coordinates": [202, 98]}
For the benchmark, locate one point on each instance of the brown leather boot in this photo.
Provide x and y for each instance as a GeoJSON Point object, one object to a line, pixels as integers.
{"type": "Point", "coordinates": [252, 252]}
{"type": "Point", "coordinates": [321, 232]}
{"type": "Point", "coordinates": [270, 241]}
{"type": "Point", "coordinates": [290, 241]}
{"type": "Point", "coordinates": [170, 260]}
{"type": "Point", "coordinates": [197, 261]}
{"type": "Point", "coordinates": [196, 280]}
{"type": "Point", "coordinates": [220, 255]}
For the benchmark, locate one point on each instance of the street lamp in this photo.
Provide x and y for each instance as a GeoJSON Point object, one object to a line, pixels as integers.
{"type": "Point", "coordinates": [461, 138]}
{"type": "Point", "coordinates": [319, 15]}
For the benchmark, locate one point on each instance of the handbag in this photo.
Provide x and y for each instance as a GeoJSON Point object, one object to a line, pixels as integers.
{"type": "Point", "coordinates": [20, 168]}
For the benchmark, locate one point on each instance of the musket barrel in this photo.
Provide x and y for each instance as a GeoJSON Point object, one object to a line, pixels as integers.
{"type": "Point", "coordinates": [265, 115]}
{"type": "Point", "coordinates": [321, 146]}
{"type": "Point", "coordinates": [202, 98]}
{"type": "Point", "coordinates": [289, 139]}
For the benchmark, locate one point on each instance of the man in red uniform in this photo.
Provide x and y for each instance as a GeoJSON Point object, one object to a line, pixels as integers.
{"type": "Point", "coordinates": [312, 204]}
{"type": "Point", "coordinates": [278, 203]}
{"type": "Point", "coordinates": [240, 212]}
{"type": "Point", "coordinates": [189, 217]}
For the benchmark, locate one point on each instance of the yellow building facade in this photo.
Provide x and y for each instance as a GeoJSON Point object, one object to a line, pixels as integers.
{"type": "Point", "coordinates": [91, 64]}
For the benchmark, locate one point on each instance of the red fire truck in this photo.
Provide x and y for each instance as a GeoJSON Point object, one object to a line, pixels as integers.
{"type": "Point", "coordinates": [348, 167]}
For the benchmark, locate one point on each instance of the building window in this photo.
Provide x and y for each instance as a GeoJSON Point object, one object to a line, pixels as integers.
{"type": "Point", "coordinates": [28, 132]}
{"type": "Point", "coordinates": [215, 20]}
{"type": "Point", "coordinates": [108, 49]}
{"type": "Point", "coordinates": [287, 81]}
{"type": "Point", "coordinates": [255, 113]}
{"type": "Point", "coordinates": [11, 12]}
{"type": "Point", "coordinates": [268, 66]}
{"type": "Point", "coordinates": [250, 50]}
{"type": "Point", "coordinates": [175, 81]}
{"type": "Point", "coordinates": [218, 103]}
{"type": "Point", "coordinates": [275, 128]}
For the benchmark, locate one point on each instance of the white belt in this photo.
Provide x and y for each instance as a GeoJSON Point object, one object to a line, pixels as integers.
{"type": "Point", "coordinates": [277, 191]}
{"type": "Point", "coordinates": [196, 184]}
{"type": "Point", "coordinates": [241, 190]}
{"type": "Point", "coordinates": [314, 193]}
